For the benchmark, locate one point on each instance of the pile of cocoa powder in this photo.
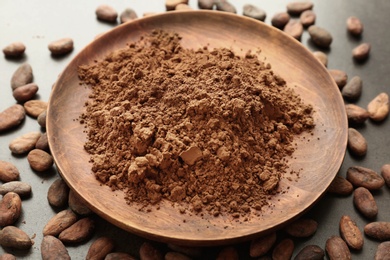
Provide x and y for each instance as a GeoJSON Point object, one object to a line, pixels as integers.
{"type": "Point", "coordinates": [208, 130]}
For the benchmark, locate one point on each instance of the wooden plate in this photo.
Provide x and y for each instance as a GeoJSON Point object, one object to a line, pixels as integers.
{"type": "Point", "coordinates": [319, 155]}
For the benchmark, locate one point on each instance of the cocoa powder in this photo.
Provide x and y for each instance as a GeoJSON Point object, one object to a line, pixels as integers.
{"type": "Point", "coordinates": [205, 129]}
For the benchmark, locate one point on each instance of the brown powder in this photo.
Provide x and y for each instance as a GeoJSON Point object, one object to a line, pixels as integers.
{"type": "Point", "coordinates": [205, 129]}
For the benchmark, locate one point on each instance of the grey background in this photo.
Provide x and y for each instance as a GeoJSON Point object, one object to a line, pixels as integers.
{"type": "Point", "coordinates": [37, 23]}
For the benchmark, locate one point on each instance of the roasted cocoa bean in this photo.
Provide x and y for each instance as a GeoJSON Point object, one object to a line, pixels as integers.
{"type": "Point", "coordinates": [356, 114]}
{"type": "Point", "coordinates": [43, 143]}
{"type": "Point", "coordinates": [21, 188]}
{"type": "Point", "coordinates": [14, 50]}
{"type": "Point", "coordinates": [225, 6]}
{"type": "Point", "coordinates": [148, 251]}
{"type": "Point", "coordinates": [312, 252]}
{"type": "Point", "coordinates": [307, 18]}
{"type": "Point", "coordinates": [35, 107]}
{"type": "Point", "coordinates": [23, 75]}
{"type": "Point", "coordinates": [260, 246]}
{"type": "Point", "coordinates": [100, 248]}
{"type": "Point", "coordinates": [128, 15]}
{"type": "Point", "coordinates": [40, 160]}
{"type": "Point", "coordinates": [78, 232]}
{"type": "Point", "coordinates": [279, 20]}
{"type": "Point", "coordinates": [322, 57]}
{"type": "Point", "coordinates": [294, 28]}
{"type": "Point", "coordinates": [8, 172]}
{"type": "Point", "coordinates": [383, 251]}
{"type": "Point", "coordinates": [385, 171]}
{"type": "Point", "coordinates": [11, 117]}
{"type": "Point", "coordinates": [364, 177]}
{"type": "Point", "coordinates": [350, 233]}
{"type": "Point", "coordinates": [25, 143]}
{"type": "Point", "coordinates": [171, 4]}
{"type": "Point", "coordinates": [25, 93]}
{"type": "Point", "coordinates": [58, 223]}
{"type": "Point", "coordinates": [365, 203]}
{"type": "Point", "coordinates": [41, 119]}
{"type": "Point", "coordinates": [254, 12]}
{"type": "Point", "coordinates": [13, 237]}
{"type": "Point", "coordinates": [206, 4]}
{"type": "Point", "coordinates": [353, 89]}
{"type": "Point", "coordinates": [106, 13]}
{"type": "Point", "coordinates": [357, 144]}
{"type": "Point", "coordinates": [337, 248]}
{"type": "Point", "coordinates": [320, 37]}
{"type": "Point", "coordinates": [283, 250]}
{"type": "Point", "coordinates": [10, 209]}
{"type": "Point", "coordinates": [61, 46]}
{"type": "Point", "coordinates": [378, 230]}
{"type": "Point", "coordinates": [119, 256]}
{"type": "Point", "coordinates": [226, 253]}
{"type": "Point", "coordinates": [181, 7]}
{"type": "Point", "coordinates": [378, 108]}
{"type": "Point", "coordinates": [52, 248]}
{"type": "Point", "coordinates": [77, 204]}
{"type": "Point", "coordinates": [58, 193]}
{"type": "Point", "coordinates": [361, 52]}
{"type": "Point", "coordinates": [354, 26]}
{"type": "Point", "coordinates": [340, 186]}
{"type": "Point", "coordinates": [297, 7]}
{"type": "Point", "coordinates": [7, 256]}
{"type": "Point", "coordinates": [303, 227]}
{"type": "Point", "coordinates": [340, 77]}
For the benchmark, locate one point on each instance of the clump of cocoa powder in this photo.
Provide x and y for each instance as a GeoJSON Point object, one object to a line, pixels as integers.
{"type": "Point", "coordinates": [205, 129]}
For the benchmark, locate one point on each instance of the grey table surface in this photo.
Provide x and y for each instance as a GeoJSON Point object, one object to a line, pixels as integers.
{"type": "Point", "coordinates": [37, 23]}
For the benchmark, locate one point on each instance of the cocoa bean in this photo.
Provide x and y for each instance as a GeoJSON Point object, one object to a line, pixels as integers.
{"type": "Point", "coordinates": [10, 209]}
{"type": "Point", "coordinates": [254, 12]}
{"type": "Point", "coordinates": [340, 77]}
{"type": "Point", "coordinates": [61, 46]}
{"type": "Point", "coordinates": [364, 177]}
{"type": "Point", "coordinates": [40, 160]}
{"type": "Point", "coordinates": [354, 26]}
{"type": "Point", "coordinates": [58, 193]}
{"type": "Point", "coordinates": [23, 75]}
{"type": "Point", "coordinates": [302, 227]}
{"type": "Point", "coordinates": [25, 93]}
{"type": "Point", "coordinates": [60, 222]}
{"type": "Point", "coordinates": [100, 248]}
{"type": "Point", "coordinates": [35, 107]}
{"type": "Point", "coordinates": [14, 50]}
{"type": "Point", "coordinates": [356, 114]}
{"type": "Point", "coordinates": [148, 252]}
{"type": "Point", "coordinates": [52, 248]}
{"type": "Point", "coordinates": [383, 251]}
{"type": "Point", "coordinates": [206, 4]}
{"type": "Point", "coordinates": [8, 172]}
{"type": "Point", "coordinates": [181, 7]}
{"type": "Point", "coordinates": [43, 143]}
{"type": "Point", "coordinates": [78, 232]}
{"type": "Point", "coordinates": [25, 143]}
{"type": "Point", "coordinates": [340, 186]}
{"type": "Point", "coordinates": [13, 237]}
{"type": "Point", "coordinates": [294, 28]}
{"type": "Point", "coordinates": [378, 108]}
{"type": "Point", "coordinates": [350, 233]}
{"type": "Point", "coordinates": [312, 252]}
{"type": "Point", "coordinates": [297, 7]}
{"type": "Point", "coordinates": [353, 89]}
{"type": "Point", "coordinates": [106, 13]}
{"type": "Point", "coordinates": [365, 202]}
{"type": "Point", "coordinates": [337, 248]}
{"type": "Point", "coordinates": [171, 4]}
{"type": "Point", "coordinates": [361, 52]}
{"type": "Point", "coordinates": [307, 18]}
{"type": "Point", "coordinates": [7, 256]}
{"type": "Point", "coordinates": [357, 144]}
{"type": "Point", "coordinates": [260, 246]}
{"type": "Point", "coordinates": [225, 6]}
{"type": "Point", "coordinates": [283, 250]}
{"type": "Point", "coordinates": [385, 171]}
{"type": "Point", "coordinates": [128, 15]}
{"type": "Point", "coordinates": [119, 256]}
{"type": "Point", "coordinates": [226, 253]}
{"type": "Point", "coordinates": [322, 57]}
{"type": "Point", "coordinates": [194, 252]}
{"type": "Point", "coordinates": [279, 20]}
{"type": "Point", "coordinates": [77, 204]}
{"type": "Point", "coordinates": [320, 37]}
{"type": "Point", "coordinates": [21, 188]}
{"type": "Point", "coordinates": [378, 230]}
{"type": "Point", "coordinates": [41, 119]}
{"type": "Point", "coordinates": [11, 117]}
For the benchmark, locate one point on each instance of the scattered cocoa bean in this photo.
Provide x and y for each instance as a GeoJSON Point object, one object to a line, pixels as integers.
{"type": "Point", "coordinates": [43, 143]}
{"type": "Point", "coordinates": [339, 76]}
{"type": "Point", "coordinates": [354, 26]}
{"type": "Point", "coordinates": [25, 143]}
{"type": "Point", "coordinates": [58, 193]}
{"type": "Point", "coordinates": [340, 186]}
{"type": "Point", "coordinates": [40, 160]}
{"type": "Point", "coordinates": [337, 248]}
{"type": "Point", "coordinates": [41, 119]}
{"type": "Point", "coordinates": [312, 252]}
{"type": "Point", "coordinates": [297, 7]}
{"type": "Point", "coordinates": [350, 233]}
{"type": "Point", "coordinates": [23, 75]}
{"type": "Point", "coordinates": [100, 248]}
{"type": "Point", "coordinates": [308, 18]}
{"type": "Point", "coordinates": [25, 93]}
{"type": "Point", "coordinates": [357, 144]}
{"type": "Point", "coordinates": [61, 46]}
{"type": "Point", "coordinates": [364, 177]}
{"type": "Point", "coordinates": [365, 202]}
{"type": "Point", "coordinates": [21, 188]}
{"type": "Point", "coordinates": [378, 108]}
{"type": "Point", "coordinates": [226, 253]}
{"type": "Point", "coordinates": [378, 230]}
{"type": "Point", "coordinates": [78, 232]}
{"type": "Point", "coordinates": [254, 12]}
{"type": "Point", "coordinates": [13, 237]}
{"type": "Point", "coordinates": [356, 114]}
{"type": "Point", "coordinates": [385, 171]}
{"type": "Point", "coordinates": [279, 20]}
{"type": "Point", "coordinates": [106, 13]}
{"type": "Point", "coordinates": [119, 256]}
{"type": "Point", "coordinates": [294, 28]}
{"type": "Point", "coordinates": [283, 250]}
{"type": "Point", "coordinates": [383, 251]}
{"type": "Point", "coordinates": [78, 204]}
{"type": "Point", "coordinates": [181, 7]}
{"type": "Point", "coordinates": [14, 50]}
{"type": "Point", "coordinates": [320, 37]}
{"type": "Point", "coordinates": [353, 89]}
{"type": "Point", "coordinates": [11, 117]}
{"type": "Point", "coordinates": [148, 252]}
{"type": "Point", "coordinates": [303, 227]}
{"type": "Point", "coordinates": [171, 4]}
{"type": "Point", "coordinates": [10, 209]}
{"type": "Point", "coordinates": [58, 223]}
{"type": "Point", "coordinates": [52, 248]}
{"type": "Point", "coordinates": [7, 256]}
{"type": "Point", "coordinates": [128, 15]}
{"type": "Point", "coordinates": [35, 107]}
{"type": "Point", "coordinates": [260, 246]}
{"type": "Point", "coordinates": [194, 252]}
{"type": "Point", "coordinates": [322, 57]}
{"type": "Point", "coordinates": [206, 4]}
{"type": "Point", "coordinates": [361, 52]}
{"type": "Point", "coordinates": [225, 6]}
{"type": "Point", "coordinates": [8, 172]}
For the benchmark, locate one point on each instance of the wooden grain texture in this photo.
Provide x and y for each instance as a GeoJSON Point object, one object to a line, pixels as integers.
{"type": "Point", "coordinates": [318, 156]}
